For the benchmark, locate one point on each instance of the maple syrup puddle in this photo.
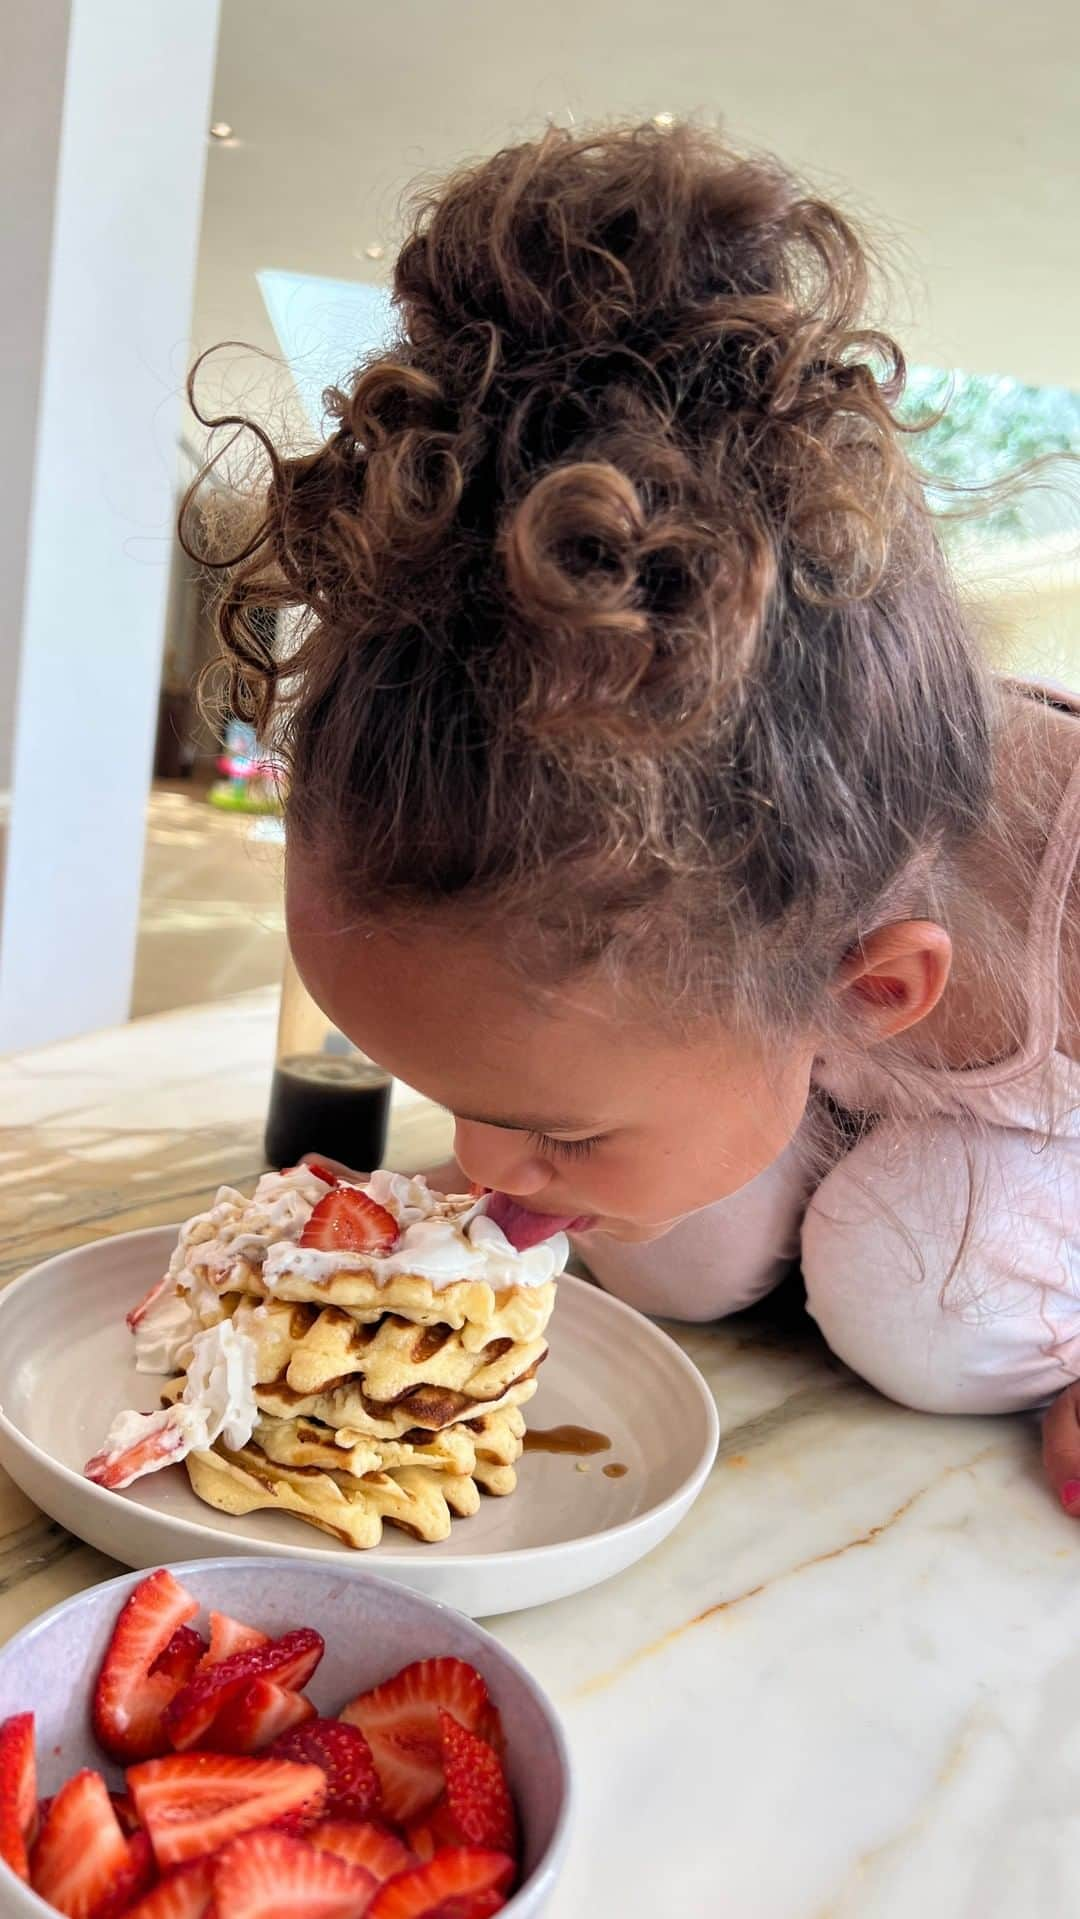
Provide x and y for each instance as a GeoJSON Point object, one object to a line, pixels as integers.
{"type": "Point", "coordinates": [615, 1471]}
{"type": "Point", "coordinates": [579, 1441]}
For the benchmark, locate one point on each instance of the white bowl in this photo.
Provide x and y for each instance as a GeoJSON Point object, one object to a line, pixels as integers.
{"type": "Point", "coordinates": [371, 1629]}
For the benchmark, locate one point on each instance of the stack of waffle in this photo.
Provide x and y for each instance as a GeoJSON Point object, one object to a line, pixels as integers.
{"type": "Point", "coordinates": [367, 1387]}
{"type": "Point", "coordinates": [367, 1416]}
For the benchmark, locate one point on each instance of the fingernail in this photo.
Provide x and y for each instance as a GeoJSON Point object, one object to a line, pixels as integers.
{"type": "Point", "coordinates": [1070, 1494]}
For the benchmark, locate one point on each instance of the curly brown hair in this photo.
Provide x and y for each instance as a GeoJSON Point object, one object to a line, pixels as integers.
{"type": "Point", "coordinates": [623, 620]}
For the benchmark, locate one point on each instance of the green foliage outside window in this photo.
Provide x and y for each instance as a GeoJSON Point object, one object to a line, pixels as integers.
{"type": "Point", "coordinates": [990, 427]}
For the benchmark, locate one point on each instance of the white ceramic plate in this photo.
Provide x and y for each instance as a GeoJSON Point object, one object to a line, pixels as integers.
{"type": "Point", "coordinates": [67, 1366]}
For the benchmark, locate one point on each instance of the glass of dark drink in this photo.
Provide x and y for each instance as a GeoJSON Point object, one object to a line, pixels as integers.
{"type": "Point", "coordinates": [326, 1097]}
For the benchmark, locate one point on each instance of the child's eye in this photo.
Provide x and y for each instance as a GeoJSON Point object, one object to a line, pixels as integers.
{"type": "Point", "coordinates": [566, 1148]}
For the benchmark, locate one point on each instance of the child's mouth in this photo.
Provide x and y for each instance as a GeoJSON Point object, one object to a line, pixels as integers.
{"type": "Point", "coordinates": [524, 1228]}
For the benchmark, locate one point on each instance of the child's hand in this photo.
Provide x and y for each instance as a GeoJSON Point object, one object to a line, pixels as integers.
{"type": "Point", "coordinates": [1061, 1448]}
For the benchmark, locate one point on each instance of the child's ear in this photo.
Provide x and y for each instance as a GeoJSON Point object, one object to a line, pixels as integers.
{"type": "Point", "coordinates": [896, 976]}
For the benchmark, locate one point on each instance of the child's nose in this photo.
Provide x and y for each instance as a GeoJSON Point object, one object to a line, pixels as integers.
{"type": "Point", "coordinates": [494, 1157]}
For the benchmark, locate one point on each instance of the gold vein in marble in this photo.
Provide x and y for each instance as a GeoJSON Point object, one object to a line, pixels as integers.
{"type": "Point", "coordinates": [614, 1673]}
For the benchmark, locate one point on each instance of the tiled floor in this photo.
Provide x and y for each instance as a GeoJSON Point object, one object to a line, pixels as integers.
{"type": "Point", "coordinates": [212, 920]}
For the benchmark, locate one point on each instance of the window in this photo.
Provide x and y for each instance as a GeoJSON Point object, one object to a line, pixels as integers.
{"type": "Point", "coordinates": [325, 328]}
{"type": "Point", "coordinates": [991, 426]}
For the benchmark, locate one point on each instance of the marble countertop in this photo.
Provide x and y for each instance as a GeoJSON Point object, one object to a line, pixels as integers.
{"type": "Point", "coordinates": [845, 1687]}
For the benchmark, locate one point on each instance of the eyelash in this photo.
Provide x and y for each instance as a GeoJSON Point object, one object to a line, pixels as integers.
{"type": "Point", "coordinates": [567, 1148]}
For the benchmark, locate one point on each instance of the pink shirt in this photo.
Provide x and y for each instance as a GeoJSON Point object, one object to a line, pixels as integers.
{"type": "Point", "coordinates": [730, 1254]}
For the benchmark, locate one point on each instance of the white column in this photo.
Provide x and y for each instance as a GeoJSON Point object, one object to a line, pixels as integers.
{"type": "Point", "coordinates": [110, 362]}
{"type": "Point", "coordinates": [31, 99]}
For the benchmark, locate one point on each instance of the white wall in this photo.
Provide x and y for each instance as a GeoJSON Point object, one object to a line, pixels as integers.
{"type": "Point", "coordinates": [125, 220]}
{"type": "Point", "coordinates": [31, 97]}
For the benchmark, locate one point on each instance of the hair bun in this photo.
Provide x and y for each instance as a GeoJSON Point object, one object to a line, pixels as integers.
{"type": "Point", "coordinates": [585, 239]}
{"type": "Point", "coordinates": [638, 616]}
{"type": "Point", "coordinates": [632, 403]}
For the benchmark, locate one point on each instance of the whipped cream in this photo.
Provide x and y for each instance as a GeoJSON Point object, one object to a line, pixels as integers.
{"type": "Point", "coordinates": [443, 1239]}
{"type": "Point", "coordinates": [165, 1333]}
{"type": "Point", "coordinates": [163, 1336]}
{"type": "Point", "coordinates": [238, 1228]}
{"type": "Point", "coordinates": [218, 1403]}
{"type": "Point", "coordinates": [221, 1384]}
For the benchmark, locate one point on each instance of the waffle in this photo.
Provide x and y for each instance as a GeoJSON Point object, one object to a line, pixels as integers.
{"type": "Point", "coordinates": [394, 1361]}
{"type": "Point", "coordinates": [346, 1406]}
{"type": "Point", "coordinates": [385, 1377]}
{"type": "Point", "coordinates": [499, 1440]}
{"type": "Point", "coordinates": [418, 1499]}
{"type": "Point", "coordinates": [296, 1467]}
{"type": "Point", "coordinates": [519, 1313]}
{"type": "Point", "coordinates": [304, 1442]}
{"type": "Point", "coordinates": [488, 1446]}
{"type": "Point", "coordinates": [353, 1396]}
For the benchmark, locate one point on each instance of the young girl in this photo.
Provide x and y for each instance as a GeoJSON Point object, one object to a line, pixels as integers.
{"type": "Point", "coordinates": [651, 807]}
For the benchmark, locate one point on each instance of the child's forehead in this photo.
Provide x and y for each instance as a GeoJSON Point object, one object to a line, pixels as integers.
{"type": "Point", "coordinates": [431, 970]}
{"type": "Point", "coordinates": [468, 977]}
{"type": "Point", "coordinates": [445, 1012]}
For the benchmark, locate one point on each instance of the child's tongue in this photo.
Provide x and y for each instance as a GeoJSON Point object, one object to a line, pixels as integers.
{"type": "Point", "coordinates": [522, 1228]}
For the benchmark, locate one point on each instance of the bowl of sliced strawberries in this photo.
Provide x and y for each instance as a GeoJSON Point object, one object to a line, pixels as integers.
{"type": "Point", "coordinates": [255, 1739]}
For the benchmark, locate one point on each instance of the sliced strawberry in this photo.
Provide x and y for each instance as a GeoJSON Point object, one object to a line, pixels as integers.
{"type": "Point", "coordinates": [267, 1875]}
{"type": "Point", "coordinates": [18, 1791]}
{"type": "Point", "coordinates": [491, 1729]}
{"type": "Point", "coordinates": [363, 1843]}
{"type": "Point", "coordinates": [182, 1655]}
{"type": "Point", "coordinates": [463, 1884]}
{"type": "Point", "coordinates": [433, 1832]}
{"type": "Point", "coordinates": [321, 1171]}
{"type": "Point", "coordinates": [138, 1313]}
{"type": "Point", "coordinates": [299, 1823]}
{"type": "Point", "coordinates": [129, 1706]}
{"type": "Point", "coordinates": [352, 1783]}
{"type": "Point", "coordinates": [124, 1808]}
{"type": "Point", "coordinates": [476, 1808]}
{"type": "Point", "coordinates": [260, 1713]}
{"type": "Point", "coordinates": [400, 1721]}
{"type": "Point", "coordinates": [184, 1893]}
{"type": "Point", "coordinates": [133, 1879]}
{"type": "Point", "coordinates": [162, 1443]}
{"type": "Point", "coordinates": [477, 1796]}
{"type": "Point", "coordinates": [80, 1851]}
{"type": "Point", "coordinates": [193, 1802]}
{"type": "Point", "coordinates": [228, 1636]}
{"type": "Point", "coordinates": [347, 1221]}
{"type": "Point", "coordinates": [289, 1662]}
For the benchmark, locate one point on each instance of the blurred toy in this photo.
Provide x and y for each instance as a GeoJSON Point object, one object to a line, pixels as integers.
{"type": "Point", "coordinates": [251, 779]}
